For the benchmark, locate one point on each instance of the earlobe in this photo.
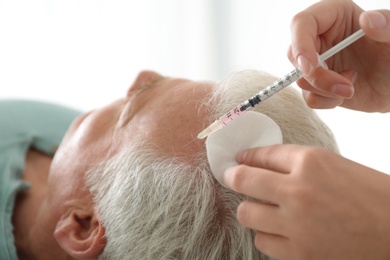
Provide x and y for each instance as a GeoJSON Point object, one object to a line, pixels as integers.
{"type": "Point", "coordinates": [80, 235]}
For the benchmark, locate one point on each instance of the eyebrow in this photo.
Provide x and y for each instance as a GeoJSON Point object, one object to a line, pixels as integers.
{"type": "Point", "coordinates": [143, 87]}
{"type": "Point", "coordinates": [132, 95]}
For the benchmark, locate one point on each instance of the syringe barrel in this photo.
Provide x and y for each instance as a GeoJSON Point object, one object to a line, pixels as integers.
{"type": "Point", "coordinates": [261, 96]}
{"type": "Point", "coordinates": [272, 89]}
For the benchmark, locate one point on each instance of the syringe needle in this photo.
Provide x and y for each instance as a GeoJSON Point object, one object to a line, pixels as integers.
{"type": "Point", "coordinates": [215, 126]}
{"type": "Point", "coordinates": [274, 88]}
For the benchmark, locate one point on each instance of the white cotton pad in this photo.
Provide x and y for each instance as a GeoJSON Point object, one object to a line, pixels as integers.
{"type": "Point", "coordinates": [252, 129]}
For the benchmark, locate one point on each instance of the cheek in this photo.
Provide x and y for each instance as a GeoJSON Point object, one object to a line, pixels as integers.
{"type": "Point", "coordinates": [80, 150]}
{"type": "Point", "coordinates": [64, 178]}
{"type": "Point", "coordinates": [84, 145]}
{"type": "Point", "coordinates": [94, 130]}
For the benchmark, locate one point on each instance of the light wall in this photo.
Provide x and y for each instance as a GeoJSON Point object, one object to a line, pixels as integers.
{"type": "Point", "coordinates": [85, 53]}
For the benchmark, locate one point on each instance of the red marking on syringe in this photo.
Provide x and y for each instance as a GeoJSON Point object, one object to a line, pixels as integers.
{"type": "Point", "coordinates": [231, 115]}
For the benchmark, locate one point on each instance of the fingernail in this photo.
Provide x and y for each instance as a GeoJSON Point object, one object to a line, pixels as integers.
{"type": "Point", "coordinates": [322, 63]}
{"type": "Point", "coordinates": [304, 65]}
{"type": "Point", "coordinates": [376, 20]}
{"type": "Point", "coordinates": [354, 77]}
{"type": "Point", "coordinates": [342, 90]}
{"type": "Point", "coordinates": [305, 93]}
{"type": "Point", "coordinates": [227, 175]}
{"type": "Point", "coordinates": [240, 158]}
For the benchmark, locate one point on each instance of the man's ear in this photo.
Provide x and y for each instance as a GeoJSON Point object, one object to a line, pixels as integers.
{"type": "Point", "coordinates": [80, 233]}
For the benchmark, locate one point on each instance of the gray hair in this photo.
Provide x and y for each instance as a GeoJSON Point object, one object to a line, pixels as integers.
{"type": "Point", "coordinates": [158, 207]}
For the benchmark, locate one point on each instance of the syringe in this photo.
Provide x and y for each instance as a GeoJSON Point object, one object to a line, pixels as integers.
{"type": "Point", "coordinates": [273, 88]}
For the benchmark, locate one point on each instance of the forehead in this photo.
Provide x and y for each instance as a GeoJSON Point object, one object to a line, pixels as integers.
{"type": "Point", "coordinates": [171, 114]}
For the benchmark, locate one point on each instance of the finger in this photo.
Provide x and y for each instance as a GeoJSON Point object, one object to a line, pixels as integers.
{"type": "Point", "coordinates": [257, 183]}
{"type": "Point", "coordinates": [274, 246]}
{"type": "Point", "coordinates": [303, 51]}
{"type": "Point", "coordinates": [306, 86]}
{"type": "Point", "coordinates": [376, 25]}
{"type": "Point", "coordinates": [305, 28]}
{"type": "Point", "coordinates": [261, 217]}
{"type": "Point", "coordinates": [316, 101]}
{"type": "Point", "coordinates": [278, 158]}
{"type": "Point", "coordinates": [330, 84]}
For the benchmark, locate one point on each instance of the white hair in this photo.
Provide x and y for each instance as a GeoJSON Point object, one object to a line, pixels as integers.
{"type": "Point", "coordinates": [158, 207]}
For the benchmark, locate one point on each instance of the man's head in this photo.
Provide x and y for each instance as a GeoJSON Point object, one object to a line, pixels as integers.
{"type": "Point", "coordinates": [132, 181]}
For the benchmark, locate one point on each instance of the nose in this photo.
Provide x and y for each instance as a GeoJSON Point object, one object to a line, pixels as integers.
{"type": "Point", "coordinates": [144, 78]}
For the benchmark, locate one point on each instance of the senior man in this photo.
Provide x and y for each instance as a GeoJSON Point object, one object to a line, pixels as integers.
{"type": "Point", "coordinates": [131, 181]}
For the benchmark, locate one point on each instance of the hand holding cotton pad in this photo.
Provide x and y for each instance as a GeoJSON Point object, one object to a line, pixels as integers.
{"type": "Point", "coordinates": [252, 129]}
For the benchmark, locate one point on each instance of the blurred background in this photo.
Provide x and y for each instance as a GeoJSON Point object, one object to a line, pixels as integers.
{"type": "Point", "coordinates": [85, 53]}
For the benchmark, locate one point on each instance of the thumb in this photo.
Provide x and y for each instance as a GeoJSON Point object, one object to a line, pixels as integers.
{"type": "Point", "coordinates": [376, 25]}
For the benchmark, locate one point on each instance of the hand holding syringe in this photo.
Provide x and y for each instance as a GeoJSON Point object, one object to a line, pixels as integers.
{"type": "Point", "coordinates": [274, 88]}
